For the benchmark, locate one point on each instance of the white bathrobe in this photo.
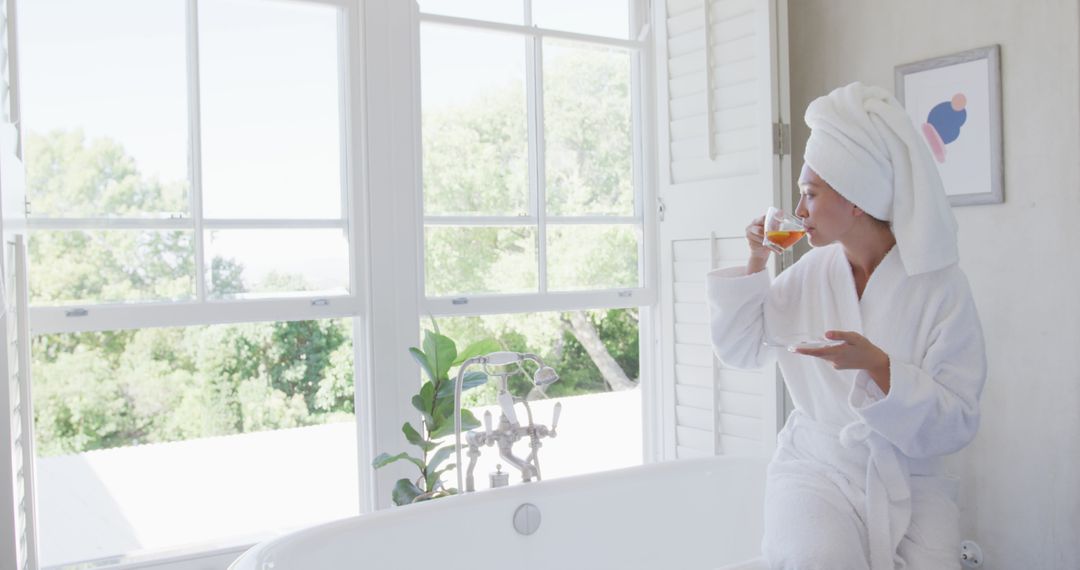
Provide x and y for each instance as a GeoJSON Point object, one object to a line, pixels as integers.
{"type": "Point", "coordinates": [856, 481]}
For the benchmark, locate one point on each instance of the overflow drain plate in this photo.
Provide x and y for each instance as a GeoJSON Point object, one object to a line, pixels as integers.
{"type": "Point", "coordinates": [527, 519]}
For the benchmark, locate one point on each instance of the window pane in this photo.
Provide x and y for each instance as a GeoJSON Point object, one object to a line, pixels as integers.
{"type": "Point", "coordinates": [245, 264]}
{"type": "Point", "coordinates": [506, 11]}
{"type": "Point", "coordinates": [110, 266]}
{"type": "Point", "coordinates": [183, 439]}
{"type": "Point", "coordinates": [588, 132]}
{"type": "Point", "coordinates": [104, 103]}
{"type": "Point", "coordinates": [592, 256]}
{"type": "Point", "coordinates": [271, 142]}
{"type": "Point", "coordinates": [599, 382]}
{"type": "Point", "coordinates": [475, 129]}
{"type": "Point", "coordinates": [462, 260]}
{"type": "Point", "coordinates": [597, 17]}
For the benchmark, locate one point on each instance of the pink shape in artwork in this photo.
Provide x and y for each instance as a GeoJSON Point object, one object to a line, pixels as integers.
{"type": "Point", "coordinates": [937, 146]}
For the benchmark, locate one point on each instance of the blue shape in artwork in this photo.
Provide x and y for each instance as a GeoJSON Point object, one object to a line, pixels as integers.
{"type": "Point", "coordinates": [947, 120]}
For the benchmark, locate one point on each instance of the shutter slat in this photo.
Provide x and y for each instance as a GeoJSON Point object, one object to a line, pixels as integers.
{"type": "Point", "coordinates": [694, 417]}
{"type": "Point", "coordinates": [734, 445]}
{"type": "Point", "coordinates": [739, 164]}
{"type": "Point", "coordinates": [741, 426]}
{"type": "Point", "coordinates": [692, 333]}
{"type": "Point", "coordinates": [693, 354]}
{"type": "Point", "coordinates": [683, 452]}
{"type": "Point", "coordinates": [694, 397]}
{"type": "Point", "coordinates": [702, 439]}
{"type": "Point", "coordinates": [689, 292]}
{"type": "Point", "coordinates": [749, 405]}
{"type": "Point", "coordinates": [691, 313]}
{"type": "Point", "coordinates": [723, 10]}
{"type": "Point", "coordinates": [690, 375]}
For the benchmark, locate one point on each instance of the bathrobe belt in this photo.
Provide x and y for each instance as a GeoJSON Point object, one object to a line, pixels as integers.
{"type": "Point", "coordinates": [887, 485]}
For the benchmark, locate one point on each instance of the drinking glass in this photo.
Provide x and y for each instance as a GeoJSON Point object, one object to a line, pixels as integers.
{"type": "Point", "coordinates": [782, 230]}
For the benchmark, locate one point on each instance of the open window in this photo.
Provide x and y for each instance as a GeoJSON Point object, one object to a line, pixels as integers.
{"type": "Point", "coordinates": [193, 288]}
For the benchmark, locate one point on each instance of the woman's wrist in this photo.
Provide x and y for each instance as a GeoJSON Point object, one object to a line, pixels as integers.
{"type": "Point", "coordinates": [756, 263]}
{"type": "Point", "coordinates": [880, 372]}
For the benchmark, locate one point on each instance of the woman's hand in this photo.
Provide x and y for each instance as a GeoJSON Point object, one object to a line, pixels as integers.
{"type": "Point", "coordinates": [857, 353]}
{"type": "Point", "coordinates": [759, 254]}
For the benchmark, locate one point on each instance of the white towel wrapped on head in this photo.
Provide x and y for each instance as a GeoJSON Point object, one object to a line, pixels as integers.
{"type": "Point", "coordinates": [863, 144]}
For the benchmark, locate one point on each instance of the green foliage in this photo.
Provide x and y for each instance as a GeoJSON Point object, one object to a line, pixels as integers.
{"type": "Point", "coordinates": [94, 392]}
{"type": "Point", "coordinates": [435, 402]}
{"type": "Point", "coordinates": [548, 335]}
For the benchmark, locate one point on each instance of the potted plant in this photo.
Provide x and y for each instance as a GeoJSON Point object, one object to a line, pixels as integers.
{"type": "Point", "coordinates": [435, 402]}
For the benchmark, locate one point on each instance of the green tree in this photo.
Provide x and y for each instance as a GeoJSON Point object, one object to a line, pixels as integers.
{"type": "Point", "coordinates": [475, 162]}
{"type": "Point", "coordinates": [106, 389]}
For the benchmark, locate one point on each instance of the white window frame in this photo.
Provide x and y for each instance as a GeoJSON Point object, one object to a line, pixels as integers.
{"type": "Point", "coordinates": [473, 304]}
{"type": "Point", "coordinates": [82, 317]}
{"type": "Point", "coordinates": [354, 24]}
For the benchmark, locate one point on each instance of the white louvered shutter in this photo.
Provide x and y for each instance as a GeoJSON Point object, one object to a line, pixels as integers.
{"type": "Point", "coordinates": [18, 528]}
{"type": "Point", "coordinates": [19, 543]}
{"type": "Point", "coordinates": [722, 112]}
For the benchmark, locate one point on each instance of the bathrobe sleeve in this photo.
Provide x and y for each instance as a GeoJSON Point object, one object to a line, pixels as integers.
{"type": "Point", "coordinates": [736, 315]}
{"type": "Point", "coordinates": [932, 407]}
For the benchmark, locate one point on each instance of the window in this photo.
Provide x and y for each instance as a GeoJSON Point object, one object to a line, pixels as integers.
{"type": "Point", "coordinates": [533, 200]}
{"type": "Point", "coordinates": [191, 247]}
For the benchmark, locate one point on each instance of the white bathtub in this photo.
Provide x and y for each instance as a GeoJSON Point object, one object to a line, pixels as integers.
{"type": "Point", "coordinates": [682, 515]}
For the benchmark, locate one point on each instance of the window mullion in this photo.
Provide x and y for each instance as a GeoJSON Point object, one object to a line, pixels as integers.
{"type": "Point", "coordinates": [195, 146]}
{"type": "Point", "coordinates": [534, 65]}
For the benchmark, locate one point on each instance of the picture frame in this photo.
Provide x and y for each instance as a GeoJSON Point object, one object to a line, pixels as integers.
{"type": "Point", "coordinates": [955, 103]}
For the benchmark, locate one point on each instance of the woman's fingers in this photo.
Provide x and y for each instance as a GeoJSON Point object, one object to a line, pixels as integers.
{"type": "Point", "coordinates": [755, 234]}
{"type": "Point", "coordinates": [849, 337]}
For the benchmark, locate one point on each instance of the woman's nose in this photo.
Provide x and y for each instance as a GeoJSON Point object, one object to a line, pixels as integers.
{"type": "Point", "coordinates": [800, 208]}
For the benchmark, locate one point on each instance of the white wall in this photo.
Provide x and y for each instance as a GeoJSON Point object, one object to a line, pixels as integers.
{"type": "Point", "coordinates": [1022, 475]}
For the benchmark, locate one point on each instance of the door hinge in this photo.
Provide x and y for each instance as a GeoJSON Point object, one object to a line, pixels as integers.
{"type": "Point", "coordinates": [781, 139]}
{"type": "Point", "coordinates": [660, 207]}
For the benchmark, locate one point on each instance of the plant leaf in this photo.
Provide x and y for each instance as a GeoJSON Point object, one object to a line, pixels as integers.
{"type": "Point", "coordinates": [441, 353]}
{"type": "Point", "coordinates": [424, 402]}
{"type": "Point", "coordinates": [416, 439]}
{"type": "Point", "coordinates": [384, 459]}
{"type": "Point", "coordinates": [439, 457]}
{"type": "Point", "coordinates": [468, 422]}
{"type": "Point", "coordinates": [476, 349]}
{"type": "Point", "coordinates": [422, 359]}
{"type": "Point", "coordinates": [469, 381]}
{"type": "Point", "coordinates": [405, 492]}
{"type": "Point", "coordinates": [434, 476]}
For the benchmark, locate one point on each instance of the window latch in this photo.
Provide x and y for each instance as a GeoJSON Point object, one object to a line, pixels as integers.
{"type": "Point", "coordinates": [80, 312]}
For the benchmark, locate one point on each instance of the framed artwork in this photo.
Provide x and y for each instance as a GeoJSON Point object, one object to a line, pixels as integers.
{"type": "Point", "coordinates": [955, 103]}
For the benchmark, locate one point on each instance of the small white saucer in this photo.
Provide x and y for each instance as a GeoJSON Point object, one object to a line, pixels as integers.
{"type": "Point", "coordinates": [793, 344]}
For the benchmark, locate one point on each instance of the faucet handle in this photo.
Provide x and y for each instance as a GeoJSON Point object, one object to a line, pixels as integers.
{"type": "Point", "coordinates": [506, 402]}
{"type": "Point", "coordinates": [487, 423]}
{"type": "Point", "coordinates": [557, 413]}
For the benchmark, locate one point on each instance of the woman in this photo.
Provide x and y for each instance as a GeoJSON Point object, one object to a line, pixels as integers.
{"type": "Point", "coordinates": [856, 481]}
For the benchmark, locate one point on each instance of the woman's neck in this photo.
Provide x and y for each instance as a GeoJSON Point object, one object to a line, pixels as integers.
{"type": "Point", "coordinates": [866, 247]}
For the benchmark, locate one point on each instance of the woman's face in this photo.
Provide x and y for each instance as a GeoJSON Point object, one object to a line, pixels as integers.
{"type": "Point", "coordinates": [827, 214]}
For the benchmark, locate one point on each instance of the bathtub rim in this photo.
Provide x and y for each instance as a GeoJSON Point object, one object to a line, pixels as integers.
{"type": "Point", "coordinates": [498, 494]}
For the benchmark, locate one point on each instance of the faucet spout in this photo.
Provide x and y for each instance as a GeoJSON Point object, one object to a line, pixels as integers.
{"type": "Point", "coordinates": [528, 472]}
